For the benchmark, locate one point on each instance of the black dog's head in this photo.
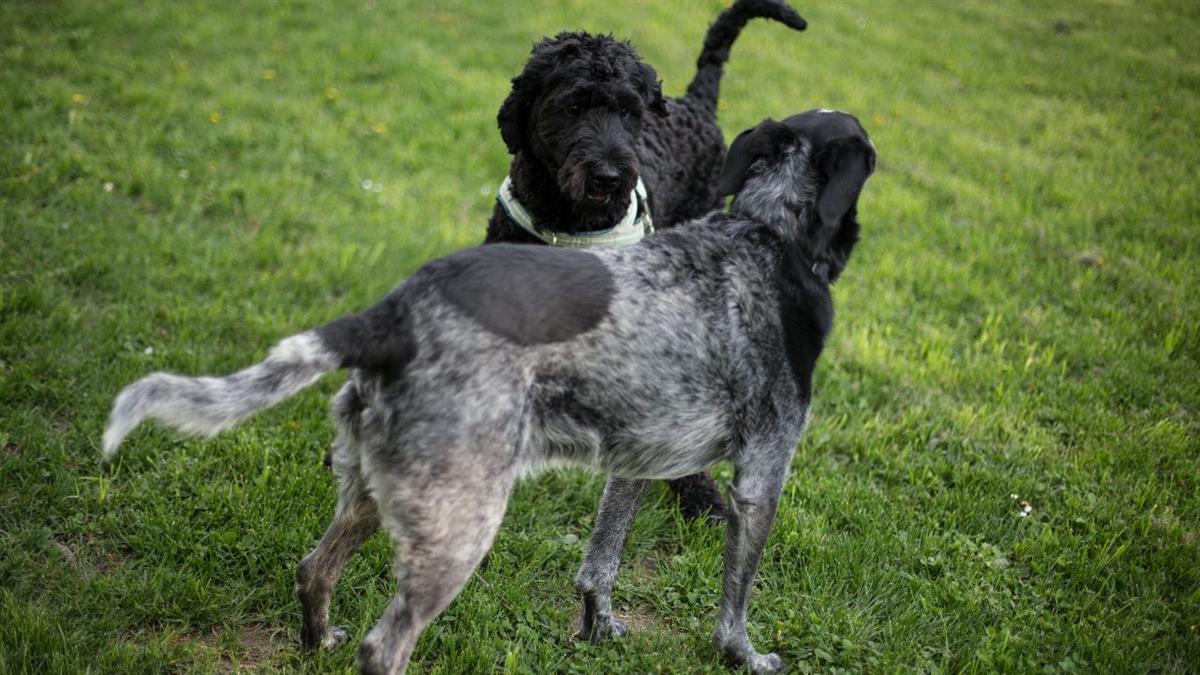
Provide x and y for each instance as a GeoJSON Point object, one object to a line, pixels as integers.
{"type": "Point", "coordinates": [577, 110]}
{"type": "Point", "coordinates": [803, 176]}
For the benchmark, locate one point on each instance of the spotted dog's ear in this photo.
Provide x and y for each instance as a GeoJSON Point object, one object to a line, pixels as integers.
{"type": "Point", "coordinates": [761, 142]}
{"type": "Point", "coordinates": [514, 113]}
{"type": "Point", "coordinates": [650, 88]}
{"type": "Point", "coordinates": [845, 165]}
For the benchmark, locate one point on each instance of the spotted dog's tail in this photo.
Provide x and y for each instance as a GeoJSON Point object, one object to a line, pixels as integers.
{"type": "Point", "coordinates": [376, 340]}
{"type": "Point", "coordinates": [706, 86]}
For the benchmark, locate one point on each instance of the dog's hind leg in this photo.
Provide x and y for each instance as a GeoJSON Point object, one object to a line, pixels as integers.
{"type": "Point", "coordinates": [754, 496]}
{"type": "Point", "coordinates": [442, 515]}
{"type": "Point", "coordinates": [356, 518]}
{"type": "Point", "coordinates": [599, 570]}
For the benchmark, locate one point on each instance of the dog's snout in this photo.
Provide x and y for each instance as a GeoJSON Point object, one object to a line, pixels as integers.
{"type": "Point", "coordinates": [605, 179]}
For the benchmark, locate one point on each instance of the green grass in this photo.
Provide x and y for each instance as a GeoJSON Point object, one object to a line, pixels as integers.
{"type": "Point", "coordinates": [181, 184]}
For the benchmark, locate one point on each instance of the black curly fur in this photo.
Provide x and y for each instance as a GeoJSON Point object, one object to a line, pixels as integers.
{"type": "Point", "coordinates": [587, 105]}
{"type": "Point", "coordinates": [706, 85]}
{"type": "Point", "coordinates": [698, 496]}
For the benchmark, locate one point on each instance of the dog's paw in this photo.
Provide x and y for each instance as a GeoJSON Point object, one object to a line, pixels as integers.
{"type": "Point", "coordinates": [699, 498]}
{"type": "Point", "coordinates": [605, 628]}
{"type": "Point", "coordinates": [335, 637]}
{"type": "Point", "coordinates": [738, 651]}
{"type": "Point", "coordinates": [765, 663]}
{"type": "Point", "coordinates": [717, 515]}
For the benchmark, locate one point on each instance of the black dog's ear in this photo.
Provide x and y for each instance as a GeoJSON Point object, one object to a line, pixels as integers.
{"type": "Point", "coordinates": [651, 91]}
{"type": "Point", "coordinates": [845, 164]}
{"type": "Point", "coordinates": [750, 146]}
{"type": "Point", "coordinates": [527, 87]}
{"type": "Point", "coordinates": [514, 114]}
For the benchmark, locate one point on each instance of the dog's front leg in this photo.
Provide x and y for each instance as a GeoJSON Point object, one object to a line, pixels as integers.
{"type": "Point", "coordinates": [603, 558]}
{"type": "Point", "coordinates": [753, 500]}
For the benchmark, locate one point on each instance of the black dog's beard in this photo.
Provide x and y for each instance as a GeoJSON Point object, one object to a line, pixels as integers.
{"type": "Point", "coordinates": [599, 211]}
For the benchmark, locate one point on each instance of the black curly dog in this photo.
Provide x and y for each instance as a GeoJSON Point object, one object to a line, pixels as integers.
{"type": "Point", "coordinates": [586, 118]}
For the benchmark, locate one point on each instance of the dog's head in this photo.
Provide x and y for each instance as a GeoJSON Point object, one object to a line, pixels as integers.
{"type": "Point", "coordinates": [577, 110]}
{"type": "Point", "coordinates": [803, 176]}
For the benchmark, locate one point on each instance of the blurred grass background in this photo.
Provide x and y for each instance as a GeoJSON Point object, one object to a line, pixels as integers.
{"type": "Point", "coordinates": [182, 184]}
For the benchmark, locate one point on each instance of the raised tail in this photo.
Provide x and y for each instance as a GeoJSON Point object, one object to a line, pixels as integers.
{"type": "Point", "coordinates": [376, 339]}
{"type": "Point", "coordinates": [706, 86]}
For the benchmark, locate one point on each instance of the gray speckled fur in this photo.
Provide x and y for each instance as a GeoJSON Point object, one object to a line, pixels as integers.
{"type": "Point", "coordinates": [691, 363]}
{"type": "Point", "coordinates": [686, 369]}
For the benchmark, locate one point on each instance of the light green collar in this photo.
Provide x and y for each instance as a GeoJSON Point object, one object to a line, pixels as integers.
{"type": "Point", "coordinates": [635, 225]}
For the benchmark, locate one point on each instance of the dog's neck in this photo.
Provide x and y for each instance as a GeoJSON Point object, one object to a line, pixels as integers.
{"type": "Point", "coordinates": [538, 191]}
{"type": "Point", "coordinates": [635, 224]}
{"type": "Point", "coordinates": [784, 200]}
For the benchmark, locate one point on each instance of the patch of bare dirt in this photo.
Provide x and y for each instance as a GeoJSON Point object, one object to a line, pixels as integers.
{"type": "Point", "coordinates": [252, 649]}
{"type": "Point", "coordinates": [638, 619]}
{"type": "Point", "coordinates": [259, 642]}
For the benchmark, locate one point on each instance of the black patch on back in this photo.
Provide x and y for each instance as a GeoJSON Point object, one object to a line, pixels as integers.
{"type": "Point", "coordinates": [527, 294]}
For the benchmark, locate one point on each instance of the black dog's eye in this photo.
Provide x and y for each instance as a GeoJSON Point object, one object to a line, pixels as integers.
{"type": "Point", "coordinates": [574, 108]}
{"type": "Point", "coordinates": [625, 112]}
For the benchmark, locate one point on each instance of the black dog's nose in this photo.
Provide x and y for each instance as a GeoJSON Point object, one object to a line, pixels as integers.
{"type": "Point", "coordinates": [606, 180]}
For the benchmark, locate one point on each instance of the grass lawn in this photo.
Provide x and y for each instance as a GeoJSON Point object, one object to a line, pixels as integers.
{"type": "Point", "coordinates": [182, 184]}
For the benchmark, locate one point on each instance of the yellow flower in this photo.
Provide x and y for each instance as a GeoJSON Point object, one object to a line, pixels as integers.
{"type": "Point", "coordinates": [379, 127]}
{"type": "Point", "coordinates": [78, 98]}
{"type": "Point", "coordinates": [269, 74]}
{"type": "Point", "coordinates": [214, 116]}
{"type": "Point", "coordinates": [331, 93]}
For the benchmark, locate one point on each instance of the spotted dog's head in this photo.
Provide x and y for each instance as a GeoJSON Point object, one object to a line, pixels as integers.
{"type": "Point", "coordinates": [577, 109]}
{"type": "Point", "coordinates": [802, 176]}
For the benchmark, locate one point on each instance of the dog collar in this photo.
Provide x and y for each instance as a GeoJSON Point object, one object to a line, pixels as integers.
{"type": "Point", "coordinates": [635, 225]}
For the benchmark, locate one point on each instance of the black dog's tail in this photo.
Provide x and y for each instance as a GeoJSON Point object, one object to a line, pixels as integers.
{"type": "Point", "coordinates": [375, 339]}
{"type": "Point", "coordinates": [706, 86]}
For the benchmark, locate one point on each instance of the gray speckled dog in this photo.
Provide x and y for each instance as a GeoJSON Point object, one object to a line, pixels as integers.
{"type": "Point", "coordinates": [650, 361]}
